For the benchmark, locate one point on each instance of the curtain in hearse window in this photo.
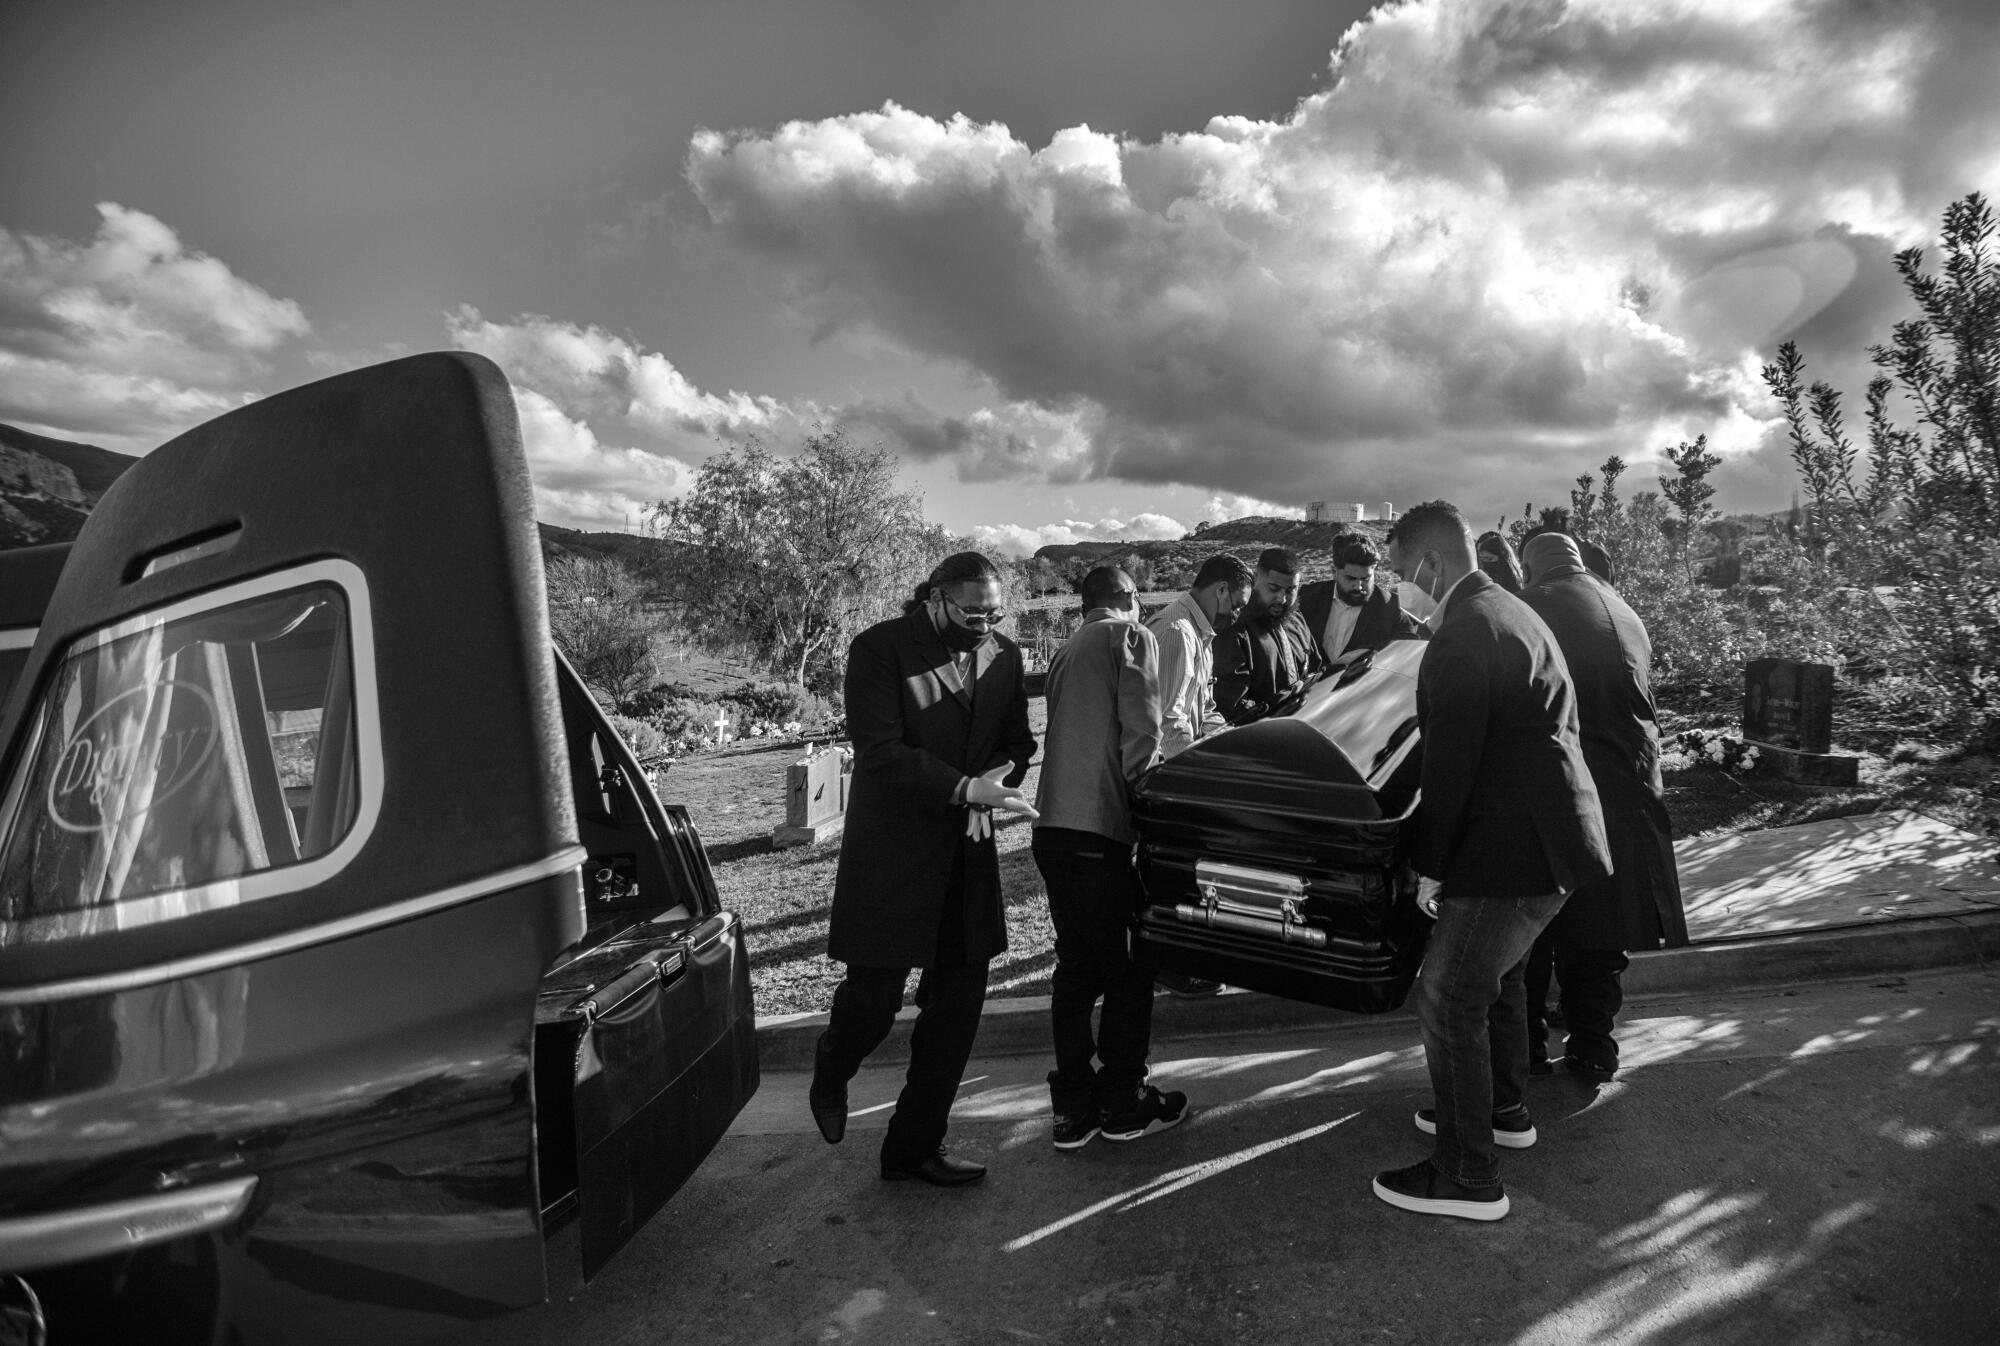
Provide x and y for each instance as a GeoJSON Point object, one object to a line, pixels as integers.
{"type": "Point", "coordinates": [172, 763]}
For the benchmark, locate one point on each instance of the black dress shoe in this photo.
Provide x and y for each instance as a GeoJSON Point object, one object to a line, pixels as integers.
{"type": "Point", "coordinates": [939, 1170]}
{"type": "Point", "coordinates": [829, 1110]}
{"type": "Point", "coordinates": [827, 1101]}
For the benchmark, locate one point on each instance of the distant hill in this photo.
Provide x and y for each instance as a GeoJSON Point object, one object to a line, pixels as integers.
{"type": "Point", "coordinates": [1172, 564]}
{"type": "Point", "coordinates": [49, 486]}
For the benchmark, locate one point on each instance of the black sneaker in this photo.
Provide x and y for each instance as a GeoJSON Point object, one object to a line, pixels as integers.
{"type": "Point", "coordinates": [1596, 1072]}
{"type": "Point", "coordinates": [1423, 1189]}
{"type": "Point", "coordinates": [1509, 1133]}
{"type": "Point", "coordinates": [1187, 986]}
{"type": "Point", "coordinates": [1152, 1111]}
{"type": "Point", "coordinates": [1075, 1130]}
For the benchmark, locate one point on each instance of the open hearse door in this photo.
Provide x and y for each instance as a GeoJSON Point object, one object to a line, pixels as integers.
{"type": "Point", "coordinates": [328, 895]}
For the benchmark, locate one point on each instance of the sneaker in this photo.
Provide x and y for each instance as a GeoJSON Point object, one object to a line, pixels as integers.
{"type": "Point", "coordinates": [1186, 985]}
{"type": "Point", "coordinates": [1509, 1133]}
{"type": "Point", "coordinates": [1153, 1111]}
{"type": "Point", "coordinates": [1423, 1189]}
{"type": "Point", "coordinates": [1596, 1072]}
{"type": "Point", "coordinates": [1075, 1130]}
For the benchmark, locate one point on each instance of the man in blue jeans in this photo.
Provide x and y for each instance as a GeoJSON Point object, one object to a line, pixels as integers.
{"type": "Point", "coordinates": [1509, 825]}
{"type": "Point", "coordinates": [1103, 731]}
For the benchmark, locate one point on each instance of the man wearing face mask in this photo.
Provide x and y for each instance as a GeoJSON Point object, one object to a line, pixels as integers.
{"type": "Point", "coordinates": [1348, 615]}
{"type": "Point", "coordinates": [938, 715]}
{"type": "Point", "coordinates": [1508, 825]}
{"type": "Point", "coordinates": [1269, 653]}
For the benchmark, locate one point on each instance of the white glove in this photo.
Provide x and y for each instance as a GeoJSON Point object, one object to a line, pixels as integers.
{"type": "Point", "coordinates": [979, 823]}
{"type": "Point", "coordinates": [1427, 895]}
{"type": "Point", "coordinates": [987, 792]}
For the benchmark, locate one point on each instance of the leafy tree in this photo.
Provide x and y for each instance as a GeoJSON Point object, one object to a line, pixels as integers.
{"type": "Point", "coordinates": [601, 620]}
{"type": "Point", "coordinates": [1689, 492]}
{"type": "Point", "coordinates": [788, 557]}
{"type": "Point", "coordinates": [1926, 516]}
{"type": "Point", "coordinates": [1582, 506]}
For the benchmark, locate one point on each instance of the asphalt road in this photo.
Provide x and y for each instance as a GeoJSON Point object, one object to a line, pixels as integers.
{"type": "Point", "coordinates": [1820, 1165]}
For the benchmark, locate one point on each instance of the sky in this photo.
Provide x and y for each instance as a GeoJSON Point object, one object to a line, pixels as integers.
{"type": "Point", "coordinates": [1092, 270]}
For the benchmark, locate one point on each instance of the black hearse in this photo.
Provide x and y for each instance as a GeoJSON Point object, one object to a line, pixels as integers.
{"type": "Point", "coordinates": [1274, 855]}
{"type": "Point", "coordinates": [353, 982]}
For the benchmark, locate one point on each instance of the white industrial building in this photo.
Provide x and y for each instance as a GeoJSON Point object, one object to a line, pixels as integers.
{"type": "Point", "coordinates": [1340, 511]}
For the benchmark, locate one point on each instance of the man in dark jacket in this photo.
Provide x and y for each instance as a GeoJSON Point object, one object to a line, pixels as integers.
{"type": "Point", "coordinates": [1639, 905]}
{"type": "Point", "coordinates": [1508, 826]}
{"type": "Point", "coordinates": [938, 715]}
{"type": "Point", "coordinates": [1350, 613]}
{"type": "Point", "coordinates": [1269, 653]}
{"type": "Point", "coordinates": [1103, 732]}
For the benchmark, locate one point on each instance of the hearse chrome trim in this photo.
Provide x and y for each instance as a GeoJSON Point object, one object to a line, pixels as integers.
{"type": "Point", "coordinates": [324, 933]}
{"type": "Point", "coordinates": [31, 1241]}
{"type": "Point", "coordinates": [172, 903]}
{"type": "Point", "coordinates": [18, 638]}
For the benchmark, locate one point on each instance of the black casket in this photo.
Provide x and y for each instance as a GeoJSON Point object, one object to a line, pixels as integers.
{"type": "Point", "coordinates": [1273, 855]}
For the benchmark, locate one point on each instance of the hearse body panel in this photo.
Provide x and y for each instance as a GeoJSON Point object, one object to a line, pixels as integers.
{"type": "Point", "coordinates": [292, 849]}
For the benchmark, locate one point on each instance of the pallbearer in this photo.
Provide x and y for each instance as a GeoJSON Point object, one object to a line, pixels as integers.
{"type": "Point", "coordinates": [938, 717]}
{"type": "Point", "coordinates": [1104, 730]}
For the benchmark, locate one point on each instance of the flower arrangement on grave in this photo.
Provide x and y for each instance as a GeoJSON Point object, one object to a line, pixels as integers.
{"type": "Point", "coordinates": [1710, 748]}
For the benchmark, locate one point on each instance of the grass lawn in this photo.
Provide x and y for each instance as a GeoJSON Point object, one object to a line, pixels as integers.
{"type": "Point", "coordinates": [737, 798]}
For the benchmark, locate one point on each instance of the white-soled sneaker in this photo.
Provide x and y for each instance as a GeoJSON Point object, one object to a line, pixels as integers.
{"type": "Point", "coordinates": [1509, 1133]}
{"type": "Point", "coordinates": [1153, 1111]}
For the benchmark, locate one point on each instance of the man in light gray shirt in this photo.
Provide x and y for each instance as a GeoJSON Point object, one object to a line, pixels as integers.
{"type": "Point", "coordinates": [1185, 630]}
{"type": "Point", "coordinates": [1103, 732]}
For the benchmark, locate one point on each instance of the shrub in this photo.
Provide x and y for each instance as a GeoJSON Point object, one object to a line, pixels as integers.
{"type": "Point", "coordinates": [645, 740]}
{"type": "Point", "coordinates": [770, 702]}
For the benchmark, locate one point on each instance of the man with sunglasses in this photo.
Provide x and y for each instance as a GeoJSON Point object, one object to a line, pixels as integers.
{"type": "Point", "coordinates": [938, 715]}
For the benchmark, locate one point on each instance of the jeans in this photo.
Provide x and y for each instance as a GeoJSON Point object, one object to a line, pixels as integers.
{"type": "Point", "coordinates": [1093, 892]}
{"type": "Point", "coordinates": [1591, 996]}
{"type": "Point", "coordinates": [1472, 1005]}
{"type": "Point", "coordinates": [949, 1002]}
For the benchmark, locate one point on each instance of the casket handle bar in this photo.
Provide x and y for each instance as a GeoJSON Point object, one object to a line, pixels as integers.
{"type": "Point", "coordinates": [1289, 927]}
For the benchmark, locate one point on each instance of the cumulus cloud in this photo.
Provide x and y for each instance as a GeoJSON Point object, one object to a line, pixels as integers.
{"type": "Point", "coordinates": [1015, 540]}
{"type": "Point", "coordinates": [1511, 237]}
{"type": "Point", "coordinates": [131, 336]}
{"type": "Point", "coordinates": [581, 482]}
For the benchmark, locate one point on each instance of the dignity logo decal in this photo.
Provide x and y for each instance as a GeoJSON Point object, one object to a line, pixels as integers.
{"type": "Point", "coordinates": [134, 753]}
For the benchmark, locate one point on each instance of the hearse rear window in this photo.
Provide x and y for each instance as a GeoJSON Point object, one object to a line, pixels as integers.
{"type": "Point", "coordinates": [195, 760]}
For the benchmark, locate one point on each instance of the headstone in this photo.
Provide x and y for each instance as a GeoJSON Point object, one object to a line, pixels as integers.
{"type": "Point", "coordinates": [1788, 704]}
{"type": "Point", "coordinates": [813, 801]}
{"type": "Point", "coordinates": [1788, 714]}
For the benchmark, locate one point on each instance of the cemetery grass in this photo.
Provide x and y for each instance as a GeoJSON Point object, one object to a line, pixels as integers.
{"type": "Point", "coordinates": [783, 897]}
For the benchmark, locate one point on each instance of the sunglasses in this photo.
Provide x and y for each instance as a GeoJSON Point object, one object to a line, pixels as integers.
{"type": "Point", "coordinates": [977, 614]}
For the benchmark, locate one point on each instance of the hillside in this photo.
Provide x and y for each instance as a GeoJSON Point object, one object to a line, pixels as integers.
{"type": "Point", "coordinates": [1172, 564]}
{"type": "Point", "coordinates": [48, 486]}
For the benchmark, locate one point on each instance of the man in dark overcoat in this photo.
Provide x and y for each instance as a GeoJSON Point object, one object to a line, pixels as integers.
{"type": "Point", "coordinates": [1507, 827]}
{"type": "Point", "coordinates": [1639, 905]}
{"type": "Point", "coordinates": [937, 712]}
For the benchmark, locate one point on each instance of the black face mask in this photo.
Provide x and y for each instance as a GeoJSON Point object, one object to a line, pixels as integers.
{"type": "Point", "coordinates": [959, 639]}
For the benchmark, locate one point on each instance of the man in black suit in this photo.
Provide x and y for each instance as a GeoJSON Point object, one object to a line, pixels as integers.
{"type": "Point", "coordinates": [1269, 653]}
{"type": "Point", "coordinates": [1639, 905]}
{"type": "Point", "coordinates": [938, 715]}
{"type": "Point", "coordinates": [1349, 613]}
{"type": "Point", "coordinates": [1508, 825]}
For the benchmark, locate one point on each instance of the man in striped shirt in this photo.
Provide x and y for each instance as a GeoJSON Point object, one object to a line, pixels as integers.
{"type": "Point", "coordinates": [1185, 630]}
